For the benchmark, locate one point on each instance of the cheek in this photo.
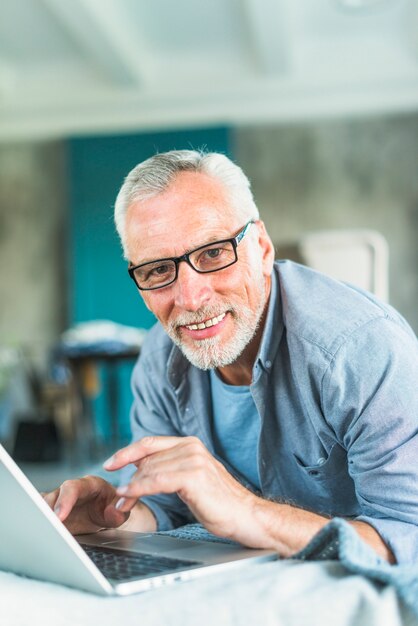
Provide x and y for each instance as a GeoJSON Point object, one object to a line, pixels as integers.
{"type": "Point", "coordinates": [253, 282]}
{"type": "Point", "coordinates": [145, 301]}
{"type": "Point", "coordinates": [247, 286]}
{"type": "Point", "coordinates": [157, 303]}
{"type": "Point", "coordinates": [252, 268]}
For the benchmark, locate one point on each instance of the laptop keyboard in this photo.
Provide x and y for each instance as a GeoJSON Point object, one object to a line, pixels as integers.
{"type": "Point", "coordinates": [119, 565]}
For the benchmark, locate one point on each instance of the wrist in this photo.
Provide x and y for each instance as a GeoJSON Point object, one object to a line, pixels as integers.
{"type": "Point", "coordinates": [286, 528]}
{"type": "Point", "coordinates": [255, 525]}
{"type": "Point", "coordinates": [141, 519]}
{"type": "Point", "coordinates": [268, 517]}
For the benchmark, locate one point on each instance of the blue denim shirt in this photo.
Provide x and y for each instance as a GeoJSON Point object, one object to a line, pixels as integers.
{"type": "Point", "coordinates": [335, 383]}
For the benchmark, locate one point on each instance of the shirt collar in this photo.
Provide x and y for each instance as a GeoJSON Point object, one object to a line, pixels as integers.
{"type": "Point", "coordinates": [273, 328]}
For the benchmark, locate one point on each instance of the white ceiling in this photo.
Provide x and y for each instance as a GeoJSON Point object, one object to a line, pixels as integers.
{"type": "Point", "coordinates": [90, 66]}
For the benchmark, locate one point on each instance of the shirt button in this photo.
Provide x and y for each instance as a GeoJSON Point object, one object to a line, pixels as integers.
{"type": "Point", "coordinates": [268, 363]}
{"type": "Point", "coordinates": [321, 460]}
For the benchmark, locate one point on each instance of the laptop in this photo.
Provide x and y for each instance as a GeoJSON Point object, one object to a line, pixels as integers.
{"type": "Point", "coordinates": [111, 562]}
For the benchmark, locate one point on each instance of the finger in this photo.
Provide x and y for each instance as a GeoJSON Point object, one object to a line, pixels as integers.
{"type": "Point", "coordinates": [50, 498]}
{"type": "Point", "coordinates": [188, 457]}
{"type": "Point", "coordinates": [114, 517]}
{"type": "Point", "coordinates": [140, 449]}
{"type": "Point", "coordinates": [124, 505]}
{"type": "Point", "coordinates": [155, 482]}
{"type": "Point", "coordinates": [180, 457]}
{"type": "Point", "coordinates": [73, 491]}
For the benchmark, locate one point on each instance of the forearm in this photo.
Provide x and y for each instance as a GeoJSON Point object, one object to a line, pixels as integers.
{"type": "Point", "coordinates": [141, 520]}
{"type": "Point", "coordinates": [288, 529]}
{"type": "Point", "coordinates": [284, 528]}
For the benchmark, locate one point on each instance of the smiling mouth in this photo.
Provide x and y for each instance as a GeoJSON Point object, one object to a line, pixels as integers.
{"type": "Point", "coordinates": [207, 323]}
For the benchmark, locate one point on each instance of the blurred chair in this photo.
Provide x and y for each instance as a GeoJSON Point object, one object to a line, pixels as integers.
{"type": "Point", "coordinates": [359, 257]}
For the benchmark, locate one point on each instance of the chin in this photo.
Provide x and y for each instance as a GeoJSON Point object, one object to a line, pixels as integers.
{"type": "Point", "coordinates": [211, 355]}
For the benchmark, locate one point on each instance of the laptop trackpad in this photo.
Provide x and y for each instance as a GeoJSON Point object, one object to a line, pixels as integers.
{"type": "Point", "coordinates": [153, 543]}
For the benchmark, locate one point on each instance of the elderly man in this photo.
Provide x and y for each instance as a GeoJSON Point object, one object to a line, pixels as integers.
{"type": "Point", "coordinates": [268, 397]}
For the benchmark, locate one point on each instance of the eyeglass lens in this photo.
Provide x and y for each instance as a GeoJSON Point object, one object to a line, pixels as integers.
{"type": "Point", "coordinates": [210, 258]}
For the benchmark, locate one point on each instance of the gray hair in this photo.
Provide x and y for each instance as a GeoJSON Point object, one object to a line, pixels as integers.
{"type": "Point", "coordinates": [154, 176]}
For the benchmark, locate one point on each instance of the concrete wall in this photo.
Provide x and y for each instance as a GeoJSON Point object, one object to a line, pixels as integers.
{"type": "Point", "coordinates": [33, 252]}
{"type": "Point", "coordinates": [341, 174]}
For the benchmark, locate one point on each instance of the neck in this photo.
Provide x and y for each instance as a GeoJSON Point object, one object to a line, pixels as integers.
{"type": "Point", "coordinates": [236, 375]}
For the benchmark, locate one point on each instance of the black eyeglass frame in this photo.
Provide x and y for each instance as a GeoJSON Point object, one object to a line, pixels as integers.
{"type": "Point", "coordinates": [234, 241]}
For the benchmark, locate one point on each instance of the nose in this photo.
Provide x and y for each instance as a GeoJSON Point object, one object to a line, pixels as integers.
{"type": "Point", "coordinates": [192, 290]}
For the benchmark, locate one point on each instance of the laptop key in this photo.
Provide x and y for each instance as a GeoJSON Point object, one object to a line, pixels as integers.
{"type": "Point", "coordinates": [118, 565]}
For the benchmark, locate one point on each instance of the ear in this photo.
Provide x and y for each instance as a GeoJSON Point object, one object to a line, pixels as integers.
{"type": "Point", "coordinates": [267, 248]}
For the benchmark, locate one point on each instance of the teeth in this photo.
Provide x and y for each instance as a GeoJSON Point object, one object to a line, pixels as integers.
{"type": "Point", "coordinates": [207, 324]}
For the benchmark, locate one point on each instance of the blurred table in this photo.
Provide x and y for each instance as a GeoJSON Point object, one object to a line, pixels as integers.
{"type": "Point", "coordinates": [85, 366]}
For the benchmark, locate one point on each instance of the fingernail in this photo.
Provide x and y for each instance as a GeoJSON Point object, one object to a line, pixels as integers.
{"type": "Point", "coordinates": [122, 490]}
{"type": "Point", "coordinates": [109, 461]}
{"type": "Point", "coordinates": [57, 510]}
{"type": "Point", "coordinates": [119, 504]}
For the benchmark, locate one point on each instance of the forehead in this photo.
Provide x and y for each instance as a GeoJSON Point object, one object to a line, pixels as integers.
{"type": "Point", "coordinates": [193, 210]}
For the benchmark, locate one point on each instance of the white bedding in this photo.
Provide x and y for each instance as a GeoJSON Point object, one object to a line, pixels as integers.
{"type": "Point", "coordinates": [285, 593]}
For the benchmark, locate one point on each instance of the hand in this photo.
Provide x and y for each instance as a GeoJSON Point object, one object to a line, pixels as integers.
{"type": "Point", "coordinates": [86, 505]}
{"type": "Point", "coordinates": [184, 466]}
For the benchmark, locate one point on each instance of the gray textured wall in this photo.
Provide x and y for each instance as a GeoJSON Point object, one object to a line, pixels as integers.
{"type": "Point", "coordinates": [305, 177]}
{"type": "Point", "coordinates": [341, 174]}
{"type": "Point", "coordinates": [33, 221]}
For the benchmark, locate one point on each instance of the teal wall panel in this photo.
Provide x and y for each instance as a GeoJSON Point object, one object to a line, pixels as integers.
{"type": "Point", "coordinates": [100, 287]}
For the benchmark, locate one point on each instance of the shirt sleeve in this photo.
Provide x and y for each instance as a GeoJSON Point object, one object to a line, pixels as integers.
{"type": "Point", "coordinates": [151, 414]}
{"type": "Point", "coordinates": [370, 399]}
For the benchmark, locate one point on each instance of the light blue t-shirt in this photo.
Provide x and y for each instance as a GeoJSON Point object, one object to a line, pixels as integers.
{"type": "Point", "coordinates": [236, 427]}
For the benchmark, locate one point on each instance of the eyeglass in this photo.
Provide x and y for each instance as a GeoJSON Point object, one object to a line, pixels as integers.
{"type": "Point", "coordinates": [211, 257]}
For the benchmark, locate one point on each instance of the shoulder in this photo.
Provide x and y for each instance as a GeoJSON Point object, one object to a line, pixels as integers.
{"type": "Point", "coordinates": [157, 344]}
{"type": "Point", "coordinates": [325, 312]}
{"type": "Point", "coordinates": [156, 351]}
{"type": "Point", "coordinates": [161, 359]}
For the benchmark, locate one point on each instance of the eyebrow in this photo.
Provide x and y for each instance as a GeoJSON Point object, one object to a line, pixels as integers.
{"type": "Point", "coordinates": [162, 258]}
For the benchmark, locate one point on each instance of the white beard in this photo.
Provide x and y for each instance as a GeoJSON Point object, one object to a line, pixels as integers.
{"type": "Point", "coordinates": [213, 353]}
